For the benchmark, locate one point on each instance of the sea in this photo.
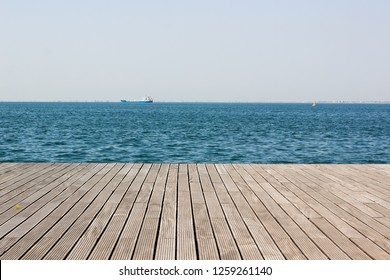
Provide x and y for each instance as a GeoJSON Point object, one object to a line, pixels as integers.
{"type": "Point", "coordinates": [194, 132]}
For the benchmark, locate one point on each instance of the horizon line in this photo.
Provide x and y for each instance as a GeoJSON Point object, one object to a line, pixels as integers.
{"type": "Point", "coordinates": [111, 101]}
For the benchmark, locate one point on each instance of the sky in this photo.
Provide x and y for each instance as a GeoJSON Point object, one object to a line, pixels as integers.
{"type": "Point", "coordinates": [211, 51]}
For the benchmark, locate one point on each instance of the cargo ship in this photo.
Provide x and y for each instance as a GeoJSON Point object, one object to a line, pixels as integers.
{"type": "Point", "coordinates": [146, 99]}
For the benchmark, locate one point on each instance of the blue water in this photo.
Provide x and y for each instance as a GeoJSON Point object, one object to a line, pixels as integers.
{"type": "Point", "coordinates": [195, 133]}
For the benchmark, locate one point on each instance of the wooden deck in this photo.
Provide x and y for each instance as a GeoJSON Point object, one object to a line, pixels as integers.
{"type": "Point", "coordinates": [194, 211]}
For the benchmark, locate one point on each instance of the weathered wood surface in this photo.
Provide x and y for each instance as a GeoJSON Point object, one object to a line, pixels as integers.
{"type": "Point", "coordinates": [194, 211]}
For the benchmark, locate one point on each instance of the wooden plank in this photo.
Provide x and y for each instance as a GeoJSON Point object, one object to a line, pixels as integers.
{"type": "Point", "coordinates": [38, 193]}
{"type": "Point", "coordinates": [36, 202]}
{"type": "Point", "coordinates": [356, 209]}
{"type": "Point", "coordinates": [283, 242]}
{"type": "Point", "coordinates": [186, 244]}
{"type": "Point", "coordinates": [269, 213]}
{"type": "Point", "coordinates": [9, 168]}
{"type": "Point", "coordinates": [66, 242]}
{"type": "Point", "coordinates": [379, 208]}
{"type": "Point", "coordinates": [129, 236]}
{"type": "Point", "coordinates": [356, 180]}
{"type": "Point", "coordinates": [372, 249]}
{"type": "Point", "coordinates": [317, 203]}
{"type": "Point", "coordinates": [379, 201]}
{"type": "Point", "coordinates": [370, 174]}
{"type": "Point", "coordinates": [205, 240]}
{"type": "Point", "coordinates": [24, 244]}
{"type": "Point", "coordinates": [227, 245]}
{"type": "Point", "coordinates": [385, 221]}
{"type": "Point", "coordinates": [194, 211]}
{"type": "Point", "coordinates": [344, 195]}
{"type": "Point", "coordinates": [166, 242]}
{"type": "Point", "coordinates": [4, 165]}
{"type": "Point", "coordinates": [145, 247]}
{"type": "Point", "coordinates": [344, 243]}
{"type": "Point", "coordinates": [241, 218]}
{"type": "Point", "coordinates": [324, 212]}
{"type": "Point", "coordinates": [88, 193]}
{"type": "Point", "coordinates": [107, 242]}
{"type": "Point", "coordinates": [15, 187]}
{"type": "Point", "coordinates": [20, 172]}
{"type": "Point", "coordinates": [219, 187]}
{"type": "Point", "coordinates": [355, 223]}
{"type": "Point", "coordinates": [306, 245]}
{"type": "Point", "coordinates": [360, 220]}
{"type": "Point", "coordinates": [87, 240]}
{"type": "Point", "coordinates": [29, 173]}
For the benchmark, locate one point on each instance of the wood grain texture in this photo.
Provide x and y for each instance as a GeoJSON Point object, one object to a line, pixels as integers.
{"type": "Point", "coordinates": [194, 211]}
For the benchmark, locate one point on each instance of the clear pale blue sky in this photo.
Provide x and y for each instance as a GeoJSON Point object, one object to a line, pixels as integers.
{"type": "Point", "coordinates": [194, 50]}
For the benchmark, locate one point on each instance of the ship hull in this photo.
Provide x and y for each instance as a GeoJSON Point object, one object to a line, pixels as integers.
{"type": "Point", "coordinates": [137, 101]}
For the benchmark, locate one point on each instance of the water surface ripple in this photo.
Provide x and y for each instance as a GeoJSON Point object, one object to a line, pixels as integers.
{"type": "Point", "coordinates": [195, 133]}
